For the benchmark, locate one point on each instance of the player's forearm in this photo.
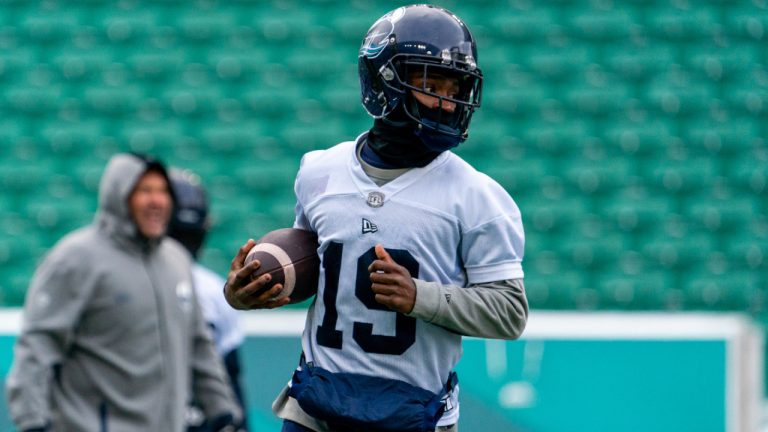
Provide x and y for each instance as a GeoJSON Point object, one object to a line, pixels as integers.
{"type": "Point", "coordinates": [492, 310]}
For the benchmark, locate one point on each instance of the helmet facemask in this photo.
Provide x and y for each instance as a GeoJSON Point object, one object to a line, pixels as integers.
{"type": "Point", "coordinates": [464, 97]}
{"type": "Point", "coordinates": [405, 74]}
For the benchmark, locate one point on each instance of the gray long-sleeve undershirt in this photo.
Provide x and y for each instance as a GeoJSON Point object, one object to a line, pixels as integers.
{"type": "Point", "coordinates": [492, 310]}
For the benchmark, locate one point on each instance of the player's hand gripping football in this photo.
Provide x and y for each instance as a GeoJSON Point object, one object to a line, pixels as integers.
{"type": "Point", "coordinates": [244, 292]}
{"type": "Point", "coordinates": [392, 283]}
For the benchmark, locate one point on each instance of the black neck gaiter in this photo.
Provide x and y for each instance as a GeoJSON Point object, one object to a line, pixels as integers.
{"type": "Point", "coordinates": [398, 146]}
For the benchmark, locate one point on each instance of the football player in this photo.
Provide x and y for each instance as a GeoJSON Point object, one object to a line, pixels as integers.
{"type": "Point", "coordinates": [417, 247]}
{"type": "Point", "coordinates": [189, 225]}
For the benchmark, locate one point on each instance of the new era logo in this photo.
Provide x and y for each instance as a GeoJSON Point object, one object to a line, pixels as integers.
{"type": "Point", "coordinates": [369, 227]}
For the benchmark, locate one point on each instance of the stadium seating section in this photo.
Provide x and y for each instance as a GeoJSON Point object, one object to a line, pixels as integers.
{"type": "Point", "coordinates": [632, 134]}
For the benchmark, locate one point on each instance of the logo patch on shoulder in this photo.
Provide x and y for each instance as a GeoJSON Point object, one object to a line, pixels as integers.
{"type": "Point", "coordinates": [369, 227]}
{"type": "Point", "coordinates": [184, 294]}
{"type": "Point", "coordinates": [375, 199]}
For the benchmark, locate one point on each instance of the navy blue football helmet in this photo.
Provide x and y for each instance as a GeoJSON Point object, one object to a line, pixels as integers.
{"type": "Point", "coordinates": [189, 222]}
{"type": "Point", "coordinates": [423, 39]}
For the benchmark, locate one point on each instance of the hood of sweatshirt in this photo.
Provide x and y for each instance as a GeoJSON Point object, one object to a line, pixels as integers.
{"type": "Point", "coordinates": [113, 216]}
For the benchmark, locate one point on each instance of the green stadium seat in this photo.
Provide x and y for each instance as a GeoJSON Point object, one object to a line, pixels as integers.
{"type": "Point", "coordinates": [230, 140]}
{"type": "Point", "coordinates": [719, 62]}
{"type": "Point", "coordinates": [209, 25]}
{"type": "Point", "coordinates": [83, 64]}
{"type": "Point", "coordinates": [728, 291]}
{"type": "Point", "coordinates": [522, 25]}
{"type": "Point", "coordinates": [517, 177]}
{"type": "Point", "coordinates": [348, 25]}
{"type": "Point", "coordinates": [114, 100]}
{"type": "Point", "coordinates": [647, 137]}
{"type": "Point", "coordinates": [748, 92]}
{"type": "Point", "coordinates": [55, 218]}
{"type": "Point", "coordinates": [596, 24]}
{"type": "Point", "coordinates": [605, 97]}
{"type": "Point", "coordinates": [321, 65]}
{"type": "Point", "coordinates": [236, 220]}
{"type": "Point", "coordinates": [153, 137]}
{"type": "Point", "coordinates": [520, 98]}
{"type": "Point", "coordinates": [35, 100]}
{"type": "Point", "coordinates": [557, 137]}
{"type": "Point", "coordinates": [593, 251]}
{"type": "Point", "coordinates": [15, 134]}
{"type": "Point", "coordinates": [238, 62]}
{"type": "Point", "coordinates": [344, 98]}
{"type": "Point", "coordinates": [226, 214]}
{"type": "Point", "coordinates": [637, 210]}
{"type": "Point", "coordinates": [747, 19]}
{"type": "Point", "coordinates": [564, 290]}
{"type": "Point", "coordinates": [750, 172]}
{"type": "Point", "coordinates": [52, 26]}
{"type": "Point", "coordinates": [723, 214]}
{"type": "Point", "coordinates": [559, 62]}
{"type": "Point", "coordinates": [156, 64]}
{"type": "Point", "coordinates": [62, 185]}
{"type": "Point", "coordinates": [549, 214]}
{"type": "Point", "coordinates": [734, 136]}
{"type": "Point", "coordinates": [681, 175]}
{"type": "Point", "coordinates": [17, 247]}
{"type": "Point", "coordinates": [639, 62]}
{"type": "Point", "coordinates": [673, 252]}
{"type": "Point", "coordinates": [127, 25]}
{"type": "Point", "coordinates": [73, 139]}
{"type": "Point", "coordinates": [683, 23]}
{"type": "Point", "coordinates": [22, 176]}
{"type": "Point", "coordinates": [13, 285]}
{"type": "Point", "coordinates": [748, 249]}
{"type": "Point", "coordinates": [645, 290]}
{"type": "Point", "coordinates": [15, 60]}
{"type": "Point", "coordinates": [303, 137]}
{"type": "Point", "coordinates": [679, 92]}
{"type": "Point", "coordinates": [283, 28]}
{"type": "Point", "coordinates": [87, 173]}
{"type": "Point", "coordinates": [493, 141]}
{"type": "Point", "coordinates": [599, 175]}
{"type": "Point", "coordinates": [192, 99]}
{"type": "Point", "coordinates": [270, 102]}
{"type": "Point", "coordinates": [219, 181]}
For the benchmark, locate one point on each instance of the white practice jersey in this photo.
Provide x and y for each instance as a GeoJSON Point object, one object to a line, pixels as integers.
{"type": "Point", "coordinates": [218, 314]}
{"type": "Point", "coordinates": [445, 222]}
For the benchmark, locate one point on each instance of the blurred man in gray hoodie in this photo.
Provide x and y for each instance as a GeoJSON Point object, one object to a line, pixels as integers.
{"type": "Point", "coordinates": [113, 339]}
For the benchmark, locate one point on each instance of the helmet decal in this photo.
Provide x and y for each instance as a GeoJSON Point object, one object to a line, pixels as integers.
{"type": "Point", "coordinates": [378, 36]}
{"type": "Point", "coordinates": [375, 42]}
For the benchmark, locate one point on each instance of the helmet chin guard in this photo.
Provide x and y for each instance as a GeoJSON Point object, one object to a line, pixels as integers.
{"type": "Point", "coordinates": [423, 39]}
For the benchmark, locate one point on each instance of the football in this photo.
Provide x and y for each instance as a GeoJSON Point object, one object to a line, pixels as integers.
{"type": "Point", "coordinates": [290, 256]}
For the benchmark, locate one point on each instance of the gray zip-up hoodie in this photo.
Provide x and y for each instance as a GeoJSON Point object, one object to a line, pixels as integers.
{"type": "Point", "coordinates": [112, 338]}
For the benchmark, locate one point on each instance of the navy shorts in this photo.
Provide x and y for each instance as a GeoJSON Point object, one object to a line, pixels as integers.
{"type": "Point", "coordinates": [289, 426]}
